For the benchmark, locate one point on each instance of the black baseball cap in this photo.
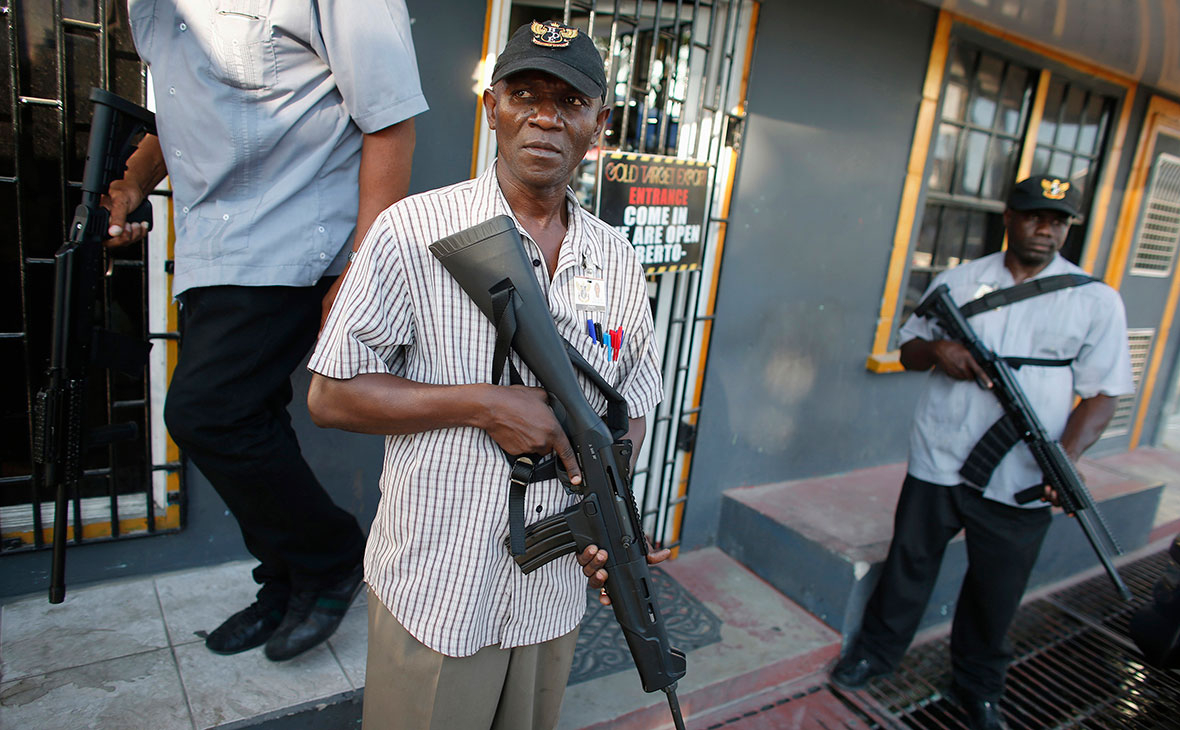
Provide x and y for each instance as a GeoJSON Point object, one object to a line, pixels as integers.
{"type": "Point", "coordinates": [1041, 192]}
{"type": "Point", "coordinates": [556, 49]}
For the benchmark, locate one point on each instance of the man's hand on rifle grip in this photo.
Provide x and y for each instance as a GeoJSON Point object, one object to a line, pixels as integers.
{"type": "Point", "coordinates": [954, 360]}
{"type": "Point", "coordinates": [1051, 497]}
{"type": "Point", "coordinates": [520, 421]}
{"type": "Point", "coordinates": [592, 559]}
{"type": "Point", "coordinates": [123, 197]}
{"type": "Point", "coordinates": [145, 170]}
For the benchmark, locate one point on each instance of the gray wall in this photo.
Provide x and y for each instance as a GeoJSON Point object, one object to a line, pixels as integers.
{"type": "Point", "coordinates": [832, 105]}
{"type": "Point", "coordinates": [348, 464]}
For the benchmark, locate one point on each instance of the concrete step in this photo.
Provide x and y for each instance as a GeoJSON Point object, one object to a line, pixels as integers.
{"type": "Point", "coordinates": [821, 541]}
{"type": "Point", "coordinates": [766, 641]}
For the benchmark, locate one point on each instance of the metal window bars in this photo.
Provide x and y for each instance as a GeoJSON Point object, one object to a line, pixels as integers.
{"type": "Point", "coordinates": [683, 90]}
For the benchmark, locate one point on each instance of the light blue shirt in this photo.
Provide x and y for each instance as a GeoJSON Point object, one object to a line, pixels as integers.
{"type": "Point", "coordinates": [260, 108]}
{"type": "Point", "coordinates": [1085, 323]}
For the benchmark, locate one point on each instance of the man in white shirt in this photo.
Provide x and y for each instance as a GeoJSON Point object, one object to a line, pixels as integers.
{"type": "Point", "coordinates": [458, 635]}
{"type": "Point", "coordinates": [1076, 339]}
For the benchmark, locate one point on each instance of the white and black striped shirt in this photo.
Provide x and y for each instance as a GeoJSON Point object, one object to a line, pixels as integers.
{"type": "Point", "coordinates": [436, 555]}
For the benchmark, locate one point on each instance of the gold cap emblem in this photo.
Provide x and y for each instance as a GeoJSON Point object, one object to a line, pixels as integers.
{"type": "Point", "coordinates": [1054, 189]}
{"type": "Point", "coordinates": [552, 34]}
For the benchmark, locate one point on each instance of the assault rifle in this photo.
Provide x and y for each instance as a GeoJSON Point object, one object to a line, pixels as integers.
{"type": "Point", "coordinates": [1020, 422]}
{"type": "Point", "coordinates": [59, 412]}
{"type": "Point", "coordinates": [489, 263]}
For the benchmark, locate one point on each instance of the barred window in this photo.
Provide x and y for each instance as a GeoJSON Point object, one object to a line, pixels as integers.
{"type": "Point", "coordinates": [993, 127]}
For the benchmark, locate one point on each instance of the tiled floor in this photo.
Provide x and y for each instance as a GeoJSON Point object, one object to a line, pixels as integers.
{"type": "Point", "coordinates": [126, 655]}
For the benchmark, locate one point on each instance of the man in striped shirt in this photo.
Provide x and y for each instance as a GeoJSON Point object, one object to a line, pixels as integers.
{"type": "Point", "coordinates": [458, 636]}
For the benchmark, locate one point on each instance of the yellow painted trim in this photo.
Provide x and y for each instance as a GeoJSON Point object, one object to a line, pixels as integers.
{"type": "Point", "coordinates": [483, 54]}
{"type": "Point", "coordinates": [885, 362]}
{"type": "Point", "coordinates": [1105, 191]}
{"type": "Point", "coordinates": [711, 303]}
{"type": "Point", "coordinates": [170, 520]}
{"type": "Point", "coordinates": [912, 187]}
{"type": "Point", "coordinates": [1163, 116]}
{"type": "Point", "coordinates": [90, 531]}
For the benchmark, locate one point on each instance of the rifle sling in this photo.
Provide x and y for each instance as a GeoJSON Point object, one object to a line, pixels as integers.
{"type": "Point", "coordinates": [1022, 291]}
{"type": "Point", "coordinates": [1002, 436]}
{"type": "Point", "coordinates": [530, 468]}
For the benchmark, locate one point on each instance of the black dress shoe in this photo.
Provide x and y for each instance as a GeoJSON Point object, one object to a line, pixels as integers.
{"type": "Point", "coordinates": [854, 671]}
{"type": "Point", "coordinates": [982, 713]}
{"type": "Point", "coordinates": [312, 616]}
{"type": "Point", "coordinates": [246, 629]}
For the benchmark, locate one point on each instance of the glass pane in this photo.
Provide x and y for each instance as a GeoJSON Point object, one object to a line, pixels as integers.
{"type": "Point", "coordinates": [1013, 100]}
{"type": "Point", "coordinates": [951, 234]}
{"type": "Point", "coordinates": [1059, 165]}
{"type": "Point", "coordinates": [987, 90]}
{"type": "Point", "coordinates": [1089, 133]}
{"type": "Point", "coordinates": [971, 163]}
{"type": "Point", "coordinates": [927, 235]}
{"type": "Point", "coordinates": [943, 155]}
{"type": "Point", "coordinates": [974, 245]}
{"type": "Point", "coordinates": [1067, 137]}
{"type": "Point", "coordinates": [1053, 100]}
{"type": "Point", "coordinates": [914, 290]}
{"type": "Point", "coordinates": [954, 101]}
{"type": "Point", "coordinates": [1080, 174]}
{"type": "Point", "coordinates": [1040, 163]}
{"type": "Point", "coordinates": [1001, 168]}
{"type": "Point", "coordinates": [961, 60]}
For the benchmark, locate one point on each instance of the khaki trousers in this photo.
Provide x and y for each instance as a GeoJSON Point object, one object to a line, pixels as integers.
{"type": "Point", "coordinates": [409, 686]}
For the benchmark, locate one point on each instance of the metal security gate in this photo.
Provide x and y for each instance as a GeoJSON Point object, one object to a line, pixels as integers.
{"type": "Point", "coordinates": [56, 51]}
{"type": "Point", "coordinates": [675, 74]}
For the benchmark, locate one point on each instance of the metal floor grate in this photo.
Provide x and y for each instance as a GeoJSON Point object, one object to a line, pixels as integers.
{"type": "Point", "coordinates": [1075, 667]}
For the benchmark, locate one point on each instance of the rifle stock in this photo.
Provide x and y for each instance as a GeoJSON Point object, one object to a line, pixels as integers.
{"type": "Point", "coordinates": [59, 412]}
{"type": "Point", "coordinates": [484, 259]}
{"type": "Point", "coordinates": [1059, 472]}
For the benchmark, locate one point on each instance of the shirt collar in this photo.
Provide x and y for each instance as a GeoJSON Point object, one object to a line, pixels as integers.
{"type": "Point", "coordinates": [578, 248]}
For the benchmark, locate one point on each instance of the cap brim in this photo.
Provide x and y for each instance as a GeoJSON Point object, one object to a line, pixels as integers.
{"type": "Point", "coordinates": [1042, 204]}
{"type": "Point", "coordinates": [561, 70]}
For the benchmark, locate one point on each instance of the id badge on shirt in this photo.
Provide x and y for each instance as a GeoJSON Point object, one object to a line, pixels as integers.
{"type": "Point", "coordinates": [590, 293]}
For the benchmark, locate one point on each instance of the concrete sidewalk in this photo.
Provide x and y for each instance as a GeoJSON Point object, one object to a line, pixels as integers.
{"type": "Point", "coordinates": [130, 654]}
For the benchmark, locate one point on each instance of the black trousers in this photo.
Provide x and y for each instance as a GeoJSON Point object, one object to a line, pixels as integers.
{"type": "Point", "coordinates": [227, 409]}
{"type": "Point", "coordinates": [1002, 546]}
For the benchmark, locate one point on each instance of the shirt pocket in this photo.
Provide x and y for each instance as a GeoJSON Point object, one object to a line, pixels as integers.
{"type": "Point", "coordinates": [1050, 341]}
{"type": "Point", "coordinates": [206, 233]}
{"type": "Point", "coordinates": [243, 45]}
